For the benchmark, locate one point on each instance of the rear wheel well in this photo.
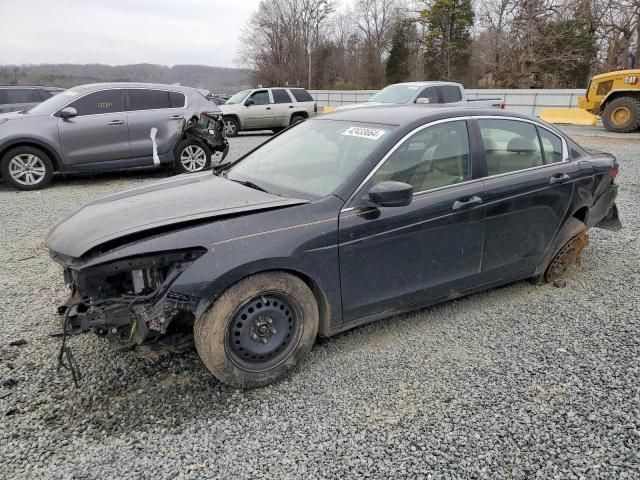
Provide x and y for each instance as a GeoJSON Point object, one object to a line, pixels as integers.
{"type": "Point", "coordinates": [300, 114]}
{"type": "Point", "coordinates": [52, 156]}
{"type": "Point", "coordinates": [581, 214]}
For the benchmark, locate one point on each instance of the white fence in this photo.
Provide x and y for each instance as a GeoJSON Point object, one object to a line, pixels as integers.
{"type": "Point", "coordinates": [525, 101]}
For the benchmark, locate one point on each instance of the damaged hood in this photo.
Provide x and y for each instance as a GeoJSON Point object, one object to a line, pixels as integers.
{"type": "Point", "coordinates": [160, 204]}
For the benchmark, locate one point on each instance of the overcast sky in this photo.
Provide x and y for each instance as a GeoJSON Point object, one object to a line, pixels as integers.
{"type": "Point", "coordinates": [118, 32]}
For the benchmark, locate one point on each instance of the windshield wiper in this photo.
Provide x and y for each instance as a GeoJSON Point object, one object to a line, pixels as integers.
{"type": "Point", "coordinates": [249, 184]}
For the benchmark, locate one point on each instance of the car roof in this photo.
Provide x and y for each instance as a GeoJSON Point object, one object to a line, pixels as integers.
{"type": "Point", "coordinates": [426, 83]}
{"type": "Point", "coordinates": [160, 86]}
{"type": "Point", "coordinates": [397, 115]}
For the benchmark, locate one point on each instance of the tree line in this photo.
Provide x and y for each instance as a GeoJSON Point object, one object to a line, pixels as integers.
{"type": "Point", "coordinates": [215, 79]}
{"type": "Point", "coordinates": [366, 44]}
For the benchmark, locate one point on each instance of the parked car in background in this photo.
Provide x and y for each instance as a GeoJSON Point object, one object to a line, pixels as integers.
{"type": "Point", "coordinates": [14, 98]}
{"type": "Point", "coordinates": [106, 126]}
{"type": "Point", "coordinates": [267, 109]}
{"type": "Point", "coordinates": [426, 93]}
{"type": "Point", "coordinates": [341, 220]}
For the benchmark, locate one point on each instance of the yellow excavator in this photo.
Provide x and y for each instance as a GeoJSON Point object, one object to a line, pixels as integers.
{"type": "Point", "coordinates": [615, 96]}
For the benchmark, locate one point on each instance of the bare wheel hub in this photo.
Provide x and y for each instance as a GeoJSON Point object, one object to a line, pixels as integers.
{"type": "Point", "coordinates": [264, 330]}
{"type": "Point", "coordinates": [568, 256]}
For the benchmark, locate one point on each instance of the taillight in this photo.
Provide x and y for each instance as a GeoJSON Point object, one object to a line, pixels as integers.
{"type": "Point", "coordinates": [503, 105]}
{"type": "Point", "coordinates": [315, 108]}
{"type": "Point", "coordinates": [613, 173]}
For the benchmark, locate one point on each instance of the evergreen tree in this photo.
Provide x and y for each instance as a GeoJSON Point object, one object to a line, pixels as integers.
{"type": "Point", "coordinates": [448, 39]}
{"type": "Point", "coordinates": [397, 69]}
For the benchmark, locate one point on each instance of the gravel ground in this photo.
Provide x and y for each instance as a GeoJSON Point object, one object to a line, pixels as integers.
{"type": "Point", "coordinates": [517, 382]}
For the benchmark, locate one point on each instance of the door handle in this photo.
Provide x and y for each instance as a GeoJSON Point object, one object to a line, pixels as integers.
{"type": "Point", "coordinates": [268, 108]}
{"type": "Point", "coordinates": [458, 204]}
{"type": "Point", "coordinates": [290, 106]}
{"type": "Point", "coordinates": [559, 178]}
{"type": "Point", "coordinates": [176, 117]}
{"type": "Point", "coordinates": [116, 122]}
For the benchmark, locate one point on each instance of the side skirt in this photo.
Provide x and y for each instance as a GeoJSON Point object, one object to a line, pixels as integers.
{"type": "Point", "coordinates": [433, 301]}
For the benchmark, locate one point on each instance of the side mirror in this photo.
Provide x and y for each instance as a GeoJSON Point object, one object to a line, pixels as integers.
{"type": "Point", "coordinates": [68, 112]}
{"type": "Point", "coordinates": [389, 194]}
{"type": "Point", "coordinates": [422, 101]}
{"type": "Point", "coordinates": [248, 102]}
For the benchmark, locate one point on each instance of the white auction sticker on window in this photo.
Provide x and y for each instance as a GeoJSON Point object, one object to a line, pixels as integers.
{"type": "Point", "coordinates": [362, 132]}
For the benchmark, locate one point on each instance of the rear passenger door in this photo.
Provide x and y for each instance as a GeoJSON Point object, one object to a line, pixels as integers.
{"type": "Point", "coordinates": [529, 188]}
{"type": "Point", "coordinates": [155, 122]}
{"type": "Point", "coordinates": [282, 107]}
{"type": "Point", "coordinates": [450, 93]}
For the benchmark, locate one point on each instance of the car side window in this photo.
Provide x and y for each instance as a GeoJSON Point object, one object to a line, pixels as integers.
{"type": "Point", "coordinates": [280, 95]}
{"type": "Point", "coordinates": [301, 95]}
{"type": "Point", "coordinates": [434, 157]}
{"type": "Point", "coordinates": [177, 99]}
{"type": "Point", "coordinates": [104, 101]}
{"type": "Point", "coordinates": [22, 95]}
{"type": "Point", "coordinates": [510, 145]}
{"type": "Point", "coordinates": [143, 99]}
{"type": "Point", "coordinates": [450, 94]}
{"type": "Point", "coordinates": [261, 98]}
{"type": "Point", "coordinates": [551, 146]}
{"type": "Point", "coordinates": [430, 93]}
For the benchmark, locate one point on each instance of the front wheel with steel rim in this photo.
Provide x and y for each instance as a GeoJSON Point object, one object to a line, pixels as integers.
{"type": "Point", "coordinates": [258, 329]}
{"type": "Point", "coordinates": [192, 156]}
{"type": "Point", "coordinates": [26, 168]}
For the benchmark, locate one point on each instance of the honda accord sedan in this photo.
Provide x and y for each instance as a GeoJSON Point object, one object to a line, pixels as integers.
{"type": "Point", "coordinates": [335, 222]}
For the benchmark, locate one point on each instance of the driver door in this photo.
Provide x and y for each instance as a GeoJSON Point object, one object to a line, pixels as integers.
{"type": "Point", "coordinates": [99, 132]}
{"type": "Point", "coordinates": [260, 112]}
{"type": "Point", "coordinates": [395, 257]}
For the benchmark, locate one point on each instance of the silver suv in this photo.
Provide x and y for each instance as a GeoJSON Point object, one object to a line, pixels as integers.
{"type": "Point", "coordinates": [105, 126]}
{"type": "Point", "coordinates": [267, 109]}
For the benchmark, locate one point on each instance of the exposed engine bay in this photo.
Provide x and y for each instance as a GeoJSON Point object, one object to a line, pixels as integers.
{"type": "Point", "coordinates": [130, 303]}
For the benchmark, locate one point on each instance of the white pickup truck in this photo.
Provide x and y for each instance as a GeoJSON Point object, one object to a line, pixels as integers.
{"type": "Point", "coordinates": [426, 93]}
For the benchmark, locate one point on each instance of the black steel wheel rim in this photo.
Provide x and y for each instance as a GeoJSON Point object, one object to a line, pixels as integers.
{"type": "Point", "coordinates": [264, 331]}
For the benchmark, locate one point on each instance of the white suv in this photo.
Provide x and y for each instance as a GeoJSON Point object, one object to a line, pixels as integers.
{"type": "Point", "coordinates": [267, 109]}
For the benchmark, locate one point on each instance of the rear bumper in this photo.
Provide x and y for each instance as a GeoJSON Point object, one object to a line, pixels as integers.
{"type": "Point", "coordinates": [605, 211]}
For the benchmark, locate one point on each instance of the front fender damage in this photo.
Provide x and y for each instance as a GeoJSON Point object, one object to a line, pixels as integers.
{"type": "Point", "coordinates": [130, 303]}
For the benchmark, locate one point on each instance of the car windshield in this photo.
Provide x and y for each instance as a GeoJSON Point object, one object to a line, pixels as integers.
{"type": "Point", "coordinates": [395, 94]}
{"type": "Point", "coordinates": [54, 103]}
{"type": "Point", "coordinates": [238, 97]}
{"type": "Point", "coordinates": [311, 159]}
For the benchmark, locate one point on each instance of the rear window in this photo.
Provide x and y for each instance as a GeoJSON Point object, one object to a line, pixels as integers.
{"type": "Point", "coordinates": [20, 95]}
{"type": "Point", "coordinates": [141, 99]}
{"type": "Point", "coordinates": [301, 95]}
{"type": "Point", "coordinates": [177, 99]}
{"type": "Point", "coordinates": [280, 95]}
{"type": "Point", "coordinates": [450, 94]}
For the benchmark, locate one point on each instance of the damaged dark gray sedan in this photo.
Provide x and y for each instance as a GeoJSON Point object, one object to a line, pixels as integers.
{"type": "Point", "coordinates": [335, 222]}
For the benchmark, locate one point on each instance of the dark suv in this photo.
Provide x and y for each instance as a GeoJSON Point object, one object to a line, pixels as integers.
{"type": "Point", "coordinates": [22, 97]}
